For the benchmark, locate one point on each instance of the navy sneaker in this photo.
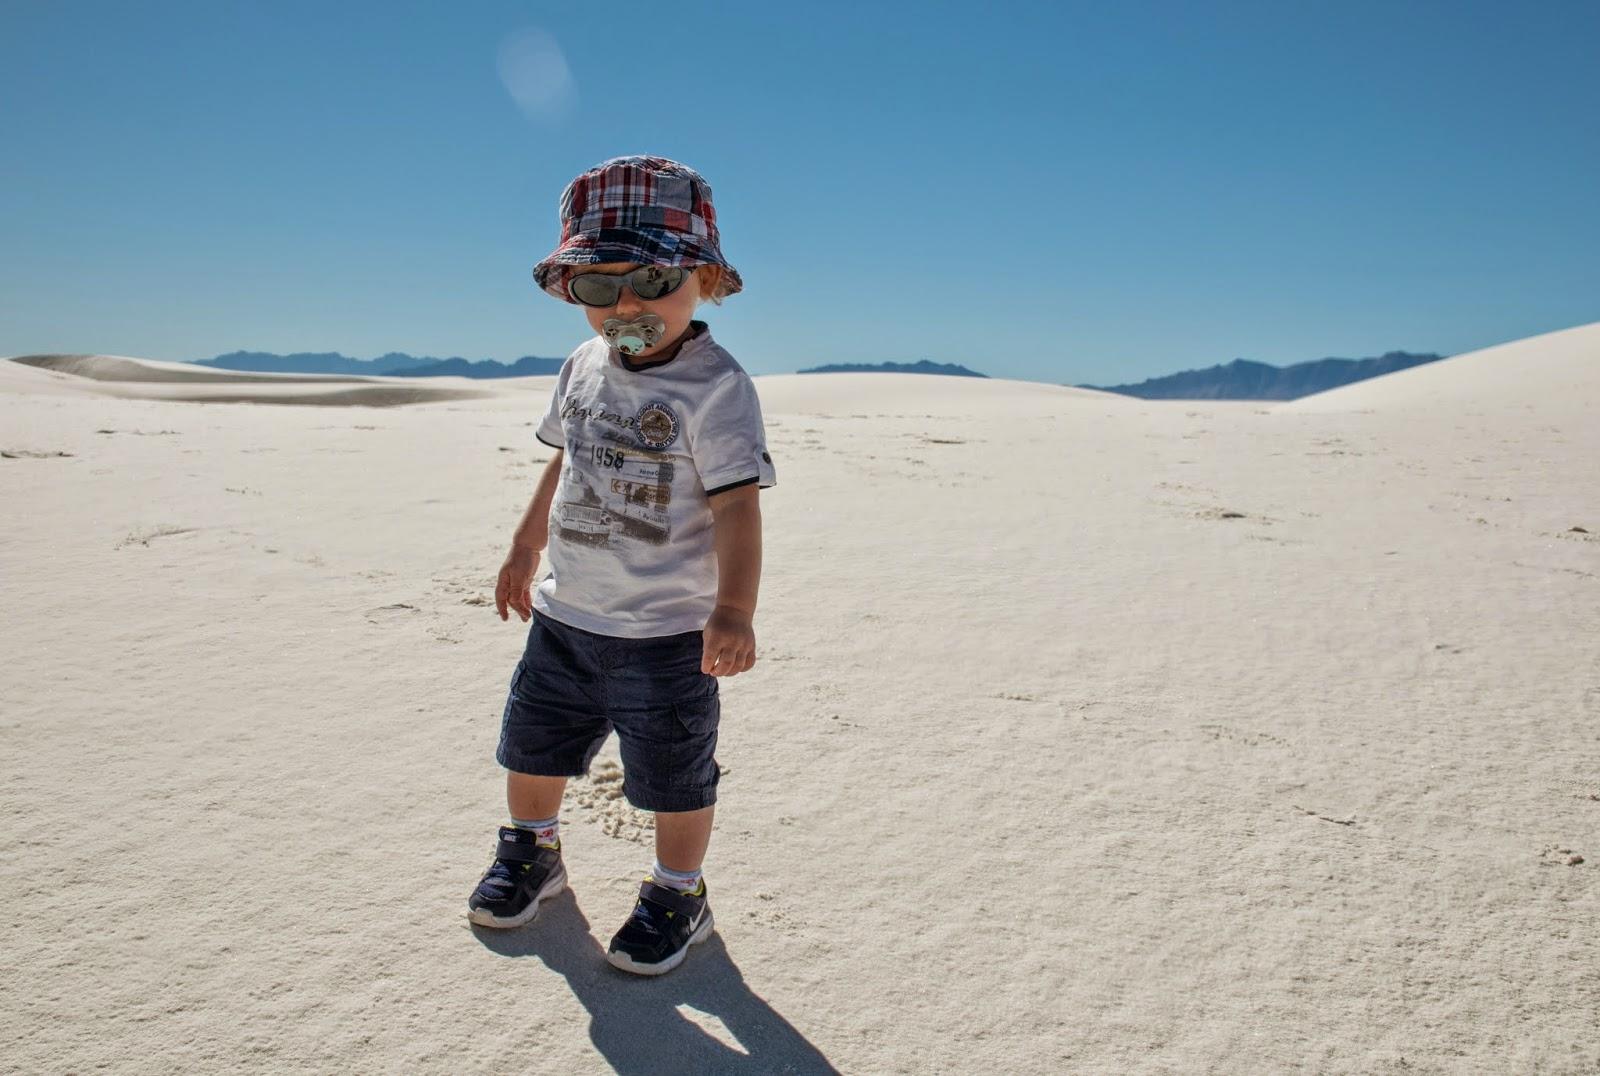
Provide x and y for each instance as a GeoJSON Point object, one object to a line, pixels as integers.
{"type": "Point", "coordinates": [523, 874]}
{"type": "Point", "coordinates": [664, 923]}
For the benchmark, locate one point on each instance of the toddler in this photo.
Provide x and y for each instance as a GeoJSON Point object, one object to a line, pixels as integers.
{"type": "Point", "coordinates": [650, 514]}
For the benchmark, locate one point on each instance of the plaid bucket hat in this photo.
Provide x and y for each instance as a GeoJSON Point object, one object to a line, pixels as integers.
{"type": "Point", "coordinates": [646, 210]}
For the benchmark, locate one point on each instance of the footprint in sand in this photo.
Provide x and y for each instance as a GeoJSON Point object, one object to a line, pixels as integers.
{"type": "Point", "coordinates": [144, 538]}
{"type": "Point", "coordinates": [388, 614]}
{"type": "Point", "coordinates": [598, 799]}
{"type": "Point", "coordinates": [1553, 855]}
{"type": "Point", "coordinates": [767, 913]}
{"type": "Point", "coordinates": [1243, 736]}
{"type": "Point", "coordinates": [28, 454]}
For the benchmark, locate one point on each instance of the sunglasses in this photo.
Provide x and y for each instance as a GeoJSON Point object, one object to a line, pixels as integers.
{"type": "Point", "coordinates": [648, 282]}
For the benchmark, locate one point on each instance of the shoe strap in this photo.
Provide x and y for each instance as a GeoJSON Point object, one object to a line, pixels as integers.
{"type": "Point", "coordinates": [671, 899]}
{"type": "Point", "coordinates": [519, 851]}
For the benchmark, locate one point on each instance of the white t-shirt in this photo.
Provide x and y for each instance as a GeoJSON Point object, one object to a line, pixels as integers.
{"type": "Point", "coordinates": [632, 543]}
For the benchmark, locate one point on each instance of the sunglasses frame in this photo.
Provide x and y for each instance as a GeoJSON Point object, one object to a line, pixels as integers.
{"type": "Point", "coordinates": [627, 279]}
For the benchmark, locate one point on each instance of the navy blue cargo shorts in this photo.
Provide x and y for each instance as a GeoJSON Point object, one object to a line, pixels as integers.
{"type": "Point", "coordinates": [572, 687]}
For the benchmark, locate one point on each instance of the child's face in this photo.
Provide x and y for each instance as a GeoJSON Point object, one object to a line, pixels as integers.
{"type": "Point", "coordinates": [676, 309]}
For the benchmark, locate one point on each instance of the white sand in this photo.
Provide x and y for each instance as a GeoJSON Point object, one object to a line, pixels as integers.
{"type": "Point", "coordinates": [1088, 735]}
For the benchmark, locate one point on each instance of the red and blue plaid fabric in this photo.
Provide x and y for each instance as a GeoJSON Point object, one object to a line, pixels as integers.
{"type": "Point", "coordinates": [646, 210]}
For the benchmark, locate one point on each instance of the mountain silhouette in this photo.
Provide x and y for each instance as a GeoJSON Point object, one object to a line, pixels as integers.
{"type": "Point", "coordinates": [921, 367]}
{"type": "Point", "coordinates": [1245, 380]}
{"type": "Point", "coordinates": [394, 364]}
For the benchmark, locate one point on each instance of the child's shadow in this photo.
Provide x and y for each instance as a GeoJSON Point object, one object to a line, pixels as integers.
{"type": "Point", "coordinates": [634, 1020]}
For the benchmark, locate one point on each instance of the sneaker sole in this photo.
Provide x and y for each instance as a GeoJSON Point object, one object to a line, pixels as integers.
{"type": "Point", "coordinates": [627, 963]}
{"type": "Point", "coordinates": [553, 885]}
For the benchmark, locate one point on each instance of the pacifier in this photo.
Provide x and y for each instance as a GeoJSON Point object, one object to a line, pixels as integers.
{"type": "Point", "coordinates": [632, 337]}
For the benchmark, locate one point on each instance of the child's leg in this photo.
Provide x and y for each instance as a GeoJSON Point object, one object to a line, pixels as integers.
{"type": "Point", "coordinates": [673, 911]}
{"type": "Point", "coordinates": [682, 838]}
{"type": "Point", "coordinates": [527, 865]}
{"type": "Point", "coordinates": [530, 796]}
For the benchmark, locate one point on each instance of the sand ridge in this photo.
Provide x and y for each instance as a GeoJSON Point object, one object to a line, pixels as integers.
{"type": "Point", "coordinates": [1552, 372]}
{"type": "Point", "coordinates": [130, 378]}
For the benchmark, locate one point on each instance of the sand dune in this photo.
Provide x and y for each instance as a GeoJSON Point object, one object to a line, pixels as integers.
{"type": "Point", "coordinates": [120, 375]}
{"type": "Point", "coordinates": [1557, 371]}
{"type": "Point", "coordinates": [124, 368]}
{"type": "Point", "coordinates": [18, 378]}
{"type": "Point", "coordinates": [1088, 734]}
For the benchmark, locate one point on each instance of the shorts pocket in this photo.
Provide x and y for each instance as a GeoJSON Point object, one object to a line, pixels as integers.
{"type": "Point", "coordinates": [699, 716]}
{"type": "Point", "coordinates": [523, 682]}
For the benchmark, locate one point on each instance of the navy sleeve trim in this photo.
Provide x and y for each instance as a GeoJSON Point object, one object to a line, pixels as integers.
{"type": "Point", "coordinates": [733, 485]}
{"type": "Point", "coordinates": [542, 441]}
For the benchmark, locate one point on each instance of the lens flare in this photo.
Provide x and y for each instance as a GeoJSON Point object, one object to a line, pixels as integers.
{"type": "Point", "coordinates": [535, 74]}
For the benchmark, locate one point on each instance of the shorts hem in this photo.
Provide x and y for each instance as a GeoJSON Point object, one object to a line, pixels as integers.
{"type": "Point", "coordinates": [674, 803]}
{"type": "Point", "coordinates": [537, 767]}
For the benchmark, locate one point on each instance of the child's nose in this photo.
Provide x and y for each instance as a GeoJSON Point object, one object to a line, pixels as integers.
{"type": "Point", "coordinates": [629, 304]}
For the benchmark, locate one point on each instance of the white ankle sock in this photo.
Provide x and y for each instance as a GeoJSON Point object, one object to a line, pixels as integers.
{"type": "Point", "coordinates": [683, 882]}
{"type": "Point", "coordinates": [546, 831]}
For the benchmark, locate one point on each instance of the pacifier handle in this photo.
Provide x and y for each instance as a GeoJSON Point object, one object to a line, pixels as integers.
{"type": "Point", "coordinates": [632, 337]}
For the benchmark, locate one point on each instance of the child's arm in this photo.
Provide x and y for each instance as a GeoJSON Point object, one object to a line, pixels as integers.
{"type": "Point", "coordinates": [730, 637]}
{"type": "Point", "coordinates": [515, 585]}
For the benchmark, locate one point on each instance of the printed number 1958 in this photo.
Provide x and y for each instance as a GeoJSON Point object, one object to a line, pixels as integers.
{"type": "Point", "coordinates": [604, 456]}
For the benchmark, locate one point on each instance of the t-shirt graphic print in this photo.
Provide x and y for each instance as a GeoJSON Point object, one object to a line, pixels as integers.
{"type": "Point", "coordinates": [630, 498]}
{"type": "Point", "coordinates": [631, 549]}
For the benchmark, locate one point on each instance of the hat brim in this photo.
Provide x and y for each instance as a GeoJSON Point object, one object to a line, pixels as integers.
{"type": "Point", "coordinates": [638, 245]}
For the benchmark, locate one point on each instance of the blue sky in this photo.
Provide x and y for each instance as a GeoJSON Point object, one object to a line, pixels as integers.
{"type": "Point", "coordinates": [1056, 192]}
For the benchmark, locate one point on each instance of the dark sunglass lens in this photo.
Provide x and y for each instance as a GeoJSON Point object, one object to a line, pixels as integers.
{"type": "Point", "coordinates": [595, 289]}
{"type": "Point", "coordinates": [654, 281]}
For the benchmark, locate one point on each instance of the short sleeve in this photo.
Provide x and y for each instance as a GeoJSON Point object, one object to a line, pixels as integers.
{"type": "Point", "coordinates": [728, 440]}
{"type": "Point", "coordinates": [550, 431]}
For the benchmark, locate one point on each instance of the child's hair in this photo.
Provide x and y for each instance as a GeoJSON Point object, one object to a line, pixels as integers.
{"type": "Point", "coordinates": [714, 284]}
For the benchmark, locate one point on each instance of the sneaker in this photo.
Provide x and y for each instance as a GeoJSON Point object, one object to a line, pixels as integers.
{"type": "Point", "coordinates": [523, 874]}
{"type": "Point", "coordinates": [664, 923]}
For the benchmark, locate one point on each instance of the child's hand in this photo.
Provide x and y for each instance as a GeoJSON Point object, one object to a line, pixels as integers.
{"type": "Point", "coordinates": [730, 642]}
{"type": "Point", "coordinates": [515, 586]}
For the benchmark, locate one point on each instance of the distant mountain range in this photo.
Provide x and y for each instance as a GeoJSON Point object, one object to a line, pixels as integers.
{"type": "Point", "coordinates": [922, 367]}
{"type": "Point", "coordinates": [527, 366]}
{"type": "Point", "coordinates": [1245, 380]}
{"type": "Point", "coordinates": [1238, 380]}
{"type": "Point", "coordinates": [399, 364]}
{"type": "Point", "coordinates": [394, 364]}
